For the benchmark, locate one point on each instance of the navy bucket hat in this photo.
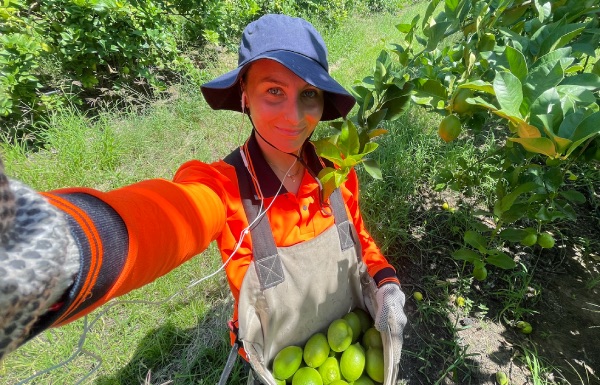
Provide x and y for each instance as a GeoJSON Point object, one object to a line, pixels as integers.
{"type": "Point", "coordinates": [292, 42]}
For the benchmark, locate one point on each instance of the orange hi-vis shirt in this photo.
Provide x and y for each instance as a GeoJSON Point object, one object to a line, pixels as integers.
{"type": "Point", "coordinates": [132, 235]}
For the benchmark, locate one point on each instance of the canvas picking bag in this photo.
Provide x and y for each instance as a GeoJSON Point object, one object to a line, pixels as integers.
{"type": "Point", "coordinates": [290, 293]}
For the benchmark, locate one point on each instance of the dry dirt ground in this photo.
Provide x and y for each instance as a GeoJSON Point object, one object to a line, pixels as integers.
{"type": "Point", "coordinates": [448, 344]}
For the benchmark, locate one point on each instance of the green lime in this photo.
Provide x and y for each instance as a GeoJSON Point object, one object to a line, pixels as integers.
{"type": "Point", "coordinates": [524, 327]}
{"type": "Point", "coordinates": [372, 339]}
{"type": "Point", "coordinates": [364, 380]}
{"type": "Point", "coordinates": [330, 370]}
{"type": "Point", "coordinates": [316, 350]}
{"type": "Point", "coordinates": [307, 376]}
{"type": "Point", "coordinates": [531, 238]}
{"type": "Point", "coordinates": [352, 363]}
{"type": "Point", "coordinates": [450, 128]}
{"type": "Point", "coordinates": [480, 273]}
{"type": "Point", "coordinates": [354, 322]}
{"type": "Point", "coordinates": [287, 362]}
{"type": "Point", "coordinates": [339, 382]}
{"type": "Point", "coordinates": [374, 364]}
{"type": "Point", "coordinates": [365, 319]}
{"type": "Point", "coordinates": [460, 105]}
{"type": "Point", "coordinates": [545, 240]}
{"type": "Point", "coordinates": [339, 335]}
{"type": "Point", "coordinates": [501, 378]}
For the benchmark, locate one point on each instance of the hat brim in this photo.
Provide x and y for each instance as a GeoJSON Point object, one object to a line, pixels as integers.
{"type": "Point", "coordinates": [224, 92]}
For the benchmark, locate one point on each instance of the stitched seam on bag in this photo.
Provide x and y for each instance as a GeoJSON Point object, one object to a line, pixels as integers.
{"type": "Point", "coordinates": [270, 271]}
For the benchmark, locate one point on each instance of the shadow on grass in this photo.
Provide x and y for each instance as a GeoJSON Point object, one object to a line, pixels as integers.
{"type": "Point", "coordinates": [448, 344]}
{"type": "Point", "coordinates": [176, 356]}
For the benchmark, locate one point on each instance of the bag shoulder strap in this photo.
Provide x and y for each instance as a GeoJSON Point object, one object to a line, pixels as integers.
{"type": "Point", "coordinates": [266, 259]}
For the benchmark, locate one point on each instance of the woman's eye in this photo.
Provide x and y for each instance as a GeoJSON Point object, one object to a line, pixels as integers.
{"type": "Point", "coordinates": [274, 91]}
{"type": "Point", "coordinates": [310, 93]}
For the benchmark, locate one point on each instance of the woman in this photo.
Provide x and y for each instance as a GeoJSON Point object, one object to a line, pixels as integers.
{"type": "Point", "coordinates": [294, 259]}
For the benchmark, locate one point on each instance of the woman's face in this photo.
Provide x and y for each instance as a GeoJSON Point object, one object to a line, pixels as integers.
{"type": "Point", "coordinates": [284, 108]}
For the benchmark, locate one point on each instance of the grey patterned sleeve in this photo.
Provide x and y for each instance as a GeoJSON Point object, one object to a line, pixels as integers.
{"type": "Point", "coordinates": [39, 260]}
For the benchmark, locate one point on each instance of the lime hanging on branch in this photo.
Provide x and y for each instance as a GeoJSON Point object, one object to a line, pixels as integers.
{"type": "Point", "coordinates": [450, 128]}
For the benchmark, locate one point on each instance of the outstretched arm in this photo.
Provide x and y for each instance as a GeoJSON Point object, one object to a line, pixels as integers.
{"type": "Point", "coordinates": [104, 244]}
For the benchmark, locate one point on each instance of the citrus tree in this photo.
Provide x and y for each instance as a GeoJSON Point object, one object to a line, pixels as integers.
{"type": "Point", "coordinates": [527, 69]}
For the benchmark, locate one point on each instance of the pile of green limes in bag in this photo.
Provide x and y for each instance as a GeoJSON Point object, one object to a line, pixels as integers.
{"type": "Point", "coordinates": [351, 352]}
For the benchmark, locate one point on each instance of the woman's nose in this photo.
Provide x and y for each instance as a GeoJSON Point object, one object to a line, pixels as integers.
{"type": "Point", "coordinates": [293, 112]}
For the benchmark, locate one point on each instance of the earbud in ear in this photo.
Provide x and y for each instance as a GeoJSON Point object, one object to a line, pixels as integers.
{"type": "Point", "coordinates": [243, 101]}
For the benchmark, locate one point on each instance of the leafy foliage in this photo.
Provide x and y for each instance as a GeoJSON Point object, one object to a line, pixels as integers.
{"type": "Point", "coordinates": [60, 52]}
{"type": "Point", "coordinates": [98, 43]}
{"type": "Point", "coordinates": [527, 67]}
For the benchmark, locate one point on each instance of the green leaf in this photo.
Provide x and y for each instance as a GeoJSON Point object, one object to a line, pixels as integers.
{"type": "Point", "coordinates": [544, 10]}
{"type": "Point", "coordinates": [589, 126]}
{"type": "Point", "coordinates": [368, 148]}
{"type": "Point", "coordinates": [560, 37]}
{"type": "Point", "coordinates": [573, 196]}
{"type": "Point", "coordinates": [476, 240]}
{"type": "Point", "coordinates": [508, 200]}
{"type": "Point", "coordinates": [572, 96]}
{"type": "Point", "coordinates": [560, 56]}
{"type": "Point", "coordinates": [375, 118]}
{"type": "Point", "coordinates": [570, 123]}
{"type": "Point", "coordinates": [539, 80]}
{"type": "Point", "coordinates": [372, 167]}
{"type": "Point", "coordinates": [327, 178]}
{"type": "Point", "coordinates": [348, 142]}
{"type": "Point", "coordinates": [553, 179]}
{"type": "Point", "coordinates": [479, 85]}
{"type": "Point", "coordinates": [336, 125]}
{"type": "Point", "coordinates": [326, 149]}
{"type": "Point", "coordinates": [404, 28]}
{"type": "Point", "coordinates": [566, 209]}
{"type": "Point", "coordinates": [379, 75]}
{"type": "Point", "coordinates": [466, 255]}
{"type": "Point", "coordinates": [547, 103]}
{"type": "Point", "coordinates": [516, 62]}
{"type": "Point", "coordinates": [509, 92]}
{"type": "Point", "coordinates": [376, 132]}
{"type": "Point", "coordinates": [543, 146]}
{"type": "Point", "coordinates": [478, 101]}
{"type": "Point", "coordinates": [350, 161]}
{"type": "Point", "coordinates": [396, 107]}
{"type": "Point", "coordinates": [430, 9]}
{"type": "Point", "coordinates": [429, 92]}
{"type": "Point", "coordinates": [436, 33]}
{"type": "Point", "coordinates": [589, 81]}
{"type": "Point", "coordinates": [513, 235]}
{"type": "Point", "coordinates": [501, 260]}
{"type": "Point", "coordinates": [562, 144]}
{"type": "Point", "coordinates": [516, 212]}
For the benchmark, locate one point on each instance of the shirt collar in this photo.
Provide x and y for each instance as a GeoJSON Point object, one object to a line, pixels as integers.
{"type": "Point", "coordinates": [262, 173]}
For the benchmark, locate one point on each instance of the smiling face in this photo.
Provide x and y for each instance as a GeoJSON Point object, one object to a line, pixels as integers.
{"type": "Point", "coordinates": [284, 108]}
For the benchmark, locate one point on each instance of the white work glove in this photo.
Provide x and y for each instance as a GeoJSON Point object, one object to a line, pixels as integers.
{"type": "Point", "coordinates": [390, 317]}
{"type": "Point", "coordinates": [38, 260]}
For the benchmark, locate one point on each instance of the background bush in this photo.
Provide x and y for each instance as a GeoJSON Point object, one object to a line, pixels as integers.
{"type": "Point", "coordinates": [81, 53]}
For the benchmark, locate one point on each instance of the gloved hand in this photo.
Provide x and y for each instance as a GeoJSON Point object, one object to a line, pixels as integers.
{"type": "Point", "coordinates": [38, 259]}
{"type": "Point", "coordinates": [390, 315]}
